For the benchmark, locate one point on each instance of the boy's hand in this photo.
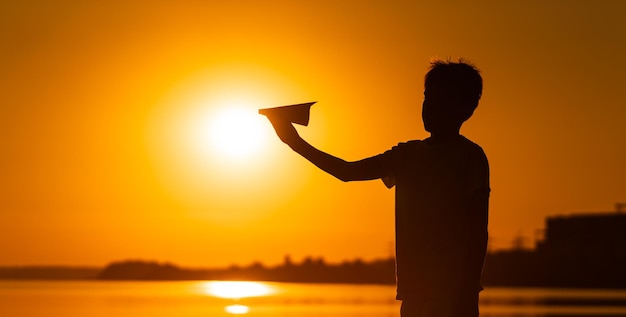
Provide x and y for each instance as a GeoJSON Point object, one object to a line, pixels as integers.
{"type": "Point", "coordinates": [285, 131]}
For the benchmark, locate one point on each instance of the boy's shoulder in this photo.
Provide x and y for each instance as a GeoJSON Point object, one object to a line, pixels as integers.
{"type": "Point", "coordinates": [407, 146]}
{"type": "Point", "coordinates": [470, 143]}
{"type": "Point", "coordinates": [461, 141]}
{"type": "Point", "coordinates": [476, 148]}
{"type": "Point", "coordinates": [410, 143]}
{"type": "Point", "coordinates": [461, 144]}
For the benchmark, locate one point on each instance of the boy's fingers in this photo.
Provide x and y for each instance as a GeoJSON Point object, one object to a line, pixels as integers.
{"type": "Point", "coordinates": [284, 129]}
{"type": "Point", "coordinates": [281, 125]}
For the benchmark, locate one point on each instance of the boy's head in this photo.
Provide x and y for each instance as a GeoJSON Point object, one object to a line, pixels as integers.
{"type": "Point", "coordinates": [452, 90]}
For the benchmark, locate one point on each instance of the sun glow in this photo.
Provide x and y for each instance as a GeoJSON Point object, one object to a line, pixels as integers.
{"type": "Point", "coordinates": [210, 147]}
{"type": "Point", "coordinates": [235, 132]}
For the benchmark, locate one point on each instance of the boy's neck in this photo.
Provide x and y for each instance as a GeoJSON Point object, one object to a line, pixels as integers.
{"type": "Point", "coordinates": [442, 137]}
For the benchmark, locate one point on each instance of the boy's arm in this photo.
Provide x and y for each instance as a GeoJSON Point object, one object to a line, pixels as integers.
{"type": "Point", "coordinates": [365, 169]}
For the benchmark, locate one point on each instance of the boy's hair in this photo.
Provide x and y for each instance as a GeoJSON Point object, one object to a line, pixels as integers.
{"type": "Point", "coordinates": [460, 80]}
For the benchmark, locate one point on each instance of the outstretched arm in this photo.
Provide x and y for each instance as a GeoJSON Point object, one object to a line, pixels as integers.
{"type": "Point", "coordinates": [366, 169]}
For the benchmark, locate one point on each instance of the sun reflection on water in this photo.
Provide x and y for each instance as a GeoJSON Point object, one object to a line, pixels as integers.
{"type": "Point", "coordinates": [237, 290]}
{"type": "Point", "coordinates": [237, 309]}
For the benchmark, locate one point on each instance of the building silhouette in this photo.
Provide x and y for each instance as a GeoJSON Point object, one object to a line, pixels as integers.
{"type": "Point", "coordinates": [582, 250]}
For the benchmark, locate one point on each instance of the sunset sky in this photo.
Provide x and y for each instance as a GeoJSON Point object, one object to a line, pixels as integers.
{"type": "Point", "coordinates": [114, 115]}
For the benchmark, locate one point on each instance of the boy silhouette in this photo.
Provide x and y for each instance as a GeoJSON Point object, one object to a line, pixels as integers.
{"type": "Point", "coordinates": [441, 200]}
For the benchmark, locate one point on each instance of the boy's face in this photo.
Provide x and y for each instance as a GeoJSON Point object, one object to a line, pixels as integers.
{"type": "Point", "coordinates": [438, 111]}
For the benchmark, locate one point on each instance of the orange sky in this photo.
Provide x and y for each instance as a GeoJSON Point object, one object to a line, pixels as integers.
{"type": "Point", "coordinates": [98, 99]}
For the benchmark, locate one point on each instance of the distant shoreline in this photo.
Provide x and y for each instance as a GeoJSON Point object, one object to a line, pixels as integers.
{"type": "Point", "coordinates": [582, 251]}
{"type": "Point", "coordinates": [502, 270]}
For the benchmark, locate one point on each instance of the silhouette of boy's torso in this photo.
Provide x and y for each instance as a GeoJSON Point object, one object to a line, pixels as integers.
{"type": "Point", "coordinates": [441, 216]}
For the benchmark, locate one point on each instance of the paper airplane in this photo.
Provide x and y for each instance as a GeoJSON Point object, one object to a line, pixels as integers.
{"type": "Point", "coordinates": [298, 113]}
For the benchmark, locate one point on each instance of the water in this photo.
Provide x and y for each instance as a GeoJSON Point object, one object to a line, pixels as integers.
{"type": "Point", "coordinates": [214, 299]}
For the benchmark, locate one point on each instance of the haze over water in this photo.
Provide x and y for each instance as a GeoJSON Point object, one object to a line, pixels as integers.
{"type": "Point", "coordinates": [213, 298]}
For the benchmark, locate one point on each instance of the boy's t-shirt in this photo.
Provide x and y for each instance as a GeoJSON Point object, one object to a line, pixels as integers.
{"type": "Point", "coordinates": [442, 193]}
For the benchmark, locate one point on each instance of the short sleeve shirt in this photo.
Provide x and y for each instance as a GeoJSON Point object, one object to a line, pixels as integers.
{"type": "Point", "coordinates": [441, 198]}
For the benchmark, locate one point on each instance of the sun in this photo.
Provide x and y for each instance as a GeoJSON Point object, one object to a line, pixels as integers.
{"type": "Point", "coordinates": [209, 146]}
{"type": "Point", "coordinates": [235, 133]}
